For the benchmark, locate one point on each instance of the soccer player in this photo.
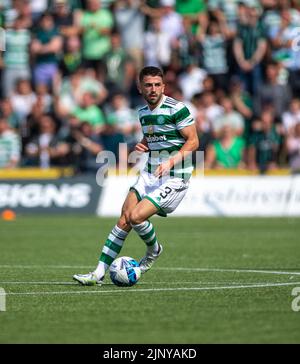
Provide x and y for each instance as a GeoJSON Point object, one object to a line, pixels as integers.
{"type": "Point", "coordinates": [170, 138]}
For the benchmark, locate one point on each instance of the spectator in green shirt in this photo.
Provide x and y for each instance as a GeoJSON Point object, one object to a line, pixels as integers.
{"type": "Point", "coordinates": [242, 102]}
{"type": "Point", "coordinates": [72, 56]}
{"type": "Point", "coordinates": [120, 66]}
{"type": "Point", "coordinates": [214, 54]}
{"type": "Point", "coordinates": [16, 56]}
{"type": "Point", "coordinates": [264, 143]}
{"type": "Point", "coordinates": [195, 11]}
{"type": "Point", "coordinates": [190, 7]}
{"type": "Point", "coordinates": [64, 18]}
{"type": "Point", "coordinates": [226, 12]}
{"type": "Point", "coordinates": [88, 111]}
{"type": "Point", "coordinates": [45, 47]}
{"type": "Point", "coordinates": [7, 112]}
{"type": "Point", "coordinates": [227, 151]}
{"type": "Point", "coordinates": [249, 49]}
{"type": "Point", "coordinates": [95, 26]}
{"type": "Point", "coordinates": [10, 147]}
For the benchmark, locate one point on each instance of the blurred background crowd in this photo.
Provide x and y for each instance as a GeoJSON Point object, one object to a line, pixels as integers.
{"type": "Point", "coordinates": [69, 68]}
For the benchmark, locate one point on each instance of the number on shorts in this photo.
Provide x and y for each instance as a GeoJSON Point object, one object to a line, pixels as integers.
{"type": "Point", "coordinates": [168, 190]}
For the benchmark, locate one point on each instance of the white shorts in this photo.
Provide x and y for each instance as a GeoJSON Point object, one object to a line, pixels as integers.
{"type": "Point", "coordinates": [165, 193]}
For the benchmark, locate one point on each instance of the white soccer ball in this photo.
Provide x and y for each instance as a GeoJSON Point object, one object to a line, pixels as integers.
{"type": "Point", "coordinates": [124, 272]}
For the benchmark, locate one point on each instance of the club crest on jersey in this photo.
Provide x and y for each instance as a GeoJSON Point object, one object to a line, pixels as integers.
{"type": "Point", "coordinates": [160, 120]}
{"type": "Point", "coordinates": [150, 129]}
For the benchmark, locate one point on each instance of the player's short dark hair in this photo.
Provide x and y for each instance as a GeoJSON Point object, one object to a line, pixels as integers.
{"type": "Point", "coordinates": [150, 71]}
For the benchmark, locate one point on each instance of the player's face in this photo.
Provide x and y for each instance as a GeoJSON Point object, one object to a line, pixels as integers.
{"type": "Point", "coordinates": [152, 88]}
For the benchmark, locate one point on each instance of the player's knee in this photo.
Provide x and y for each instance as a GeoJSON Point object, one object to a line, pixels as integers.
{"type": "Point", "coordinates": [135, 218]}
{"type": "Point", "coordinates": [124, 221]}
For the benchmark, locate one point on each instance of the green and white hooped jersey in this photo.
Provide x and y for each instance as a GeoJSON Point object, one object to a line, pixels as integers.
{"type": "Point", "coordinates": [16, 55]}
{"type": "Point", "coordinates": [161, 128]}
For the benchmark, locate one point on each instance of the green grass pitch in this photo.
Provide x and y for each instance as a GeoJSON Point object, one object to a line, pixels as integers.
{"type": "Point", "coordinates": [218, 281]}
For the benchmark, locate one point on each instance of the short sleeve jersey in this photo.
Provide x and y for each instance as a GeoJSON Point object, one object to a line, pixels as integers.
{"type": "Point", "coordinates": [161, 128]}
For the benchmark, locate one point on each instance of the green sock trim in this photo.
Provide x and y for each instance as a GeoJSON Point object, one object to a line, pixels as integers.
{"type": "Point", "coordinates": [152, 242]}
{"type": "Point", "coordinates": [113, 246]}
{"type": "Point", "coordinates": [148, 235]}
{"type": "Point", "coordinates": [106, 259]}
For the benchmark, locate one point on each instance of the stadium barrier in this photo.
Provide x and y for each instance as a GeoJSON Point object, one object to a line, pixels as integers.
{"type": "Point", "coordinates": [50, 196]}
{"type": "Point", "coordinates": [220, 196]}
{"type": "Point", "coordinates": [35, 173]}
{"type": "Point", "coordinates": [216, 194]}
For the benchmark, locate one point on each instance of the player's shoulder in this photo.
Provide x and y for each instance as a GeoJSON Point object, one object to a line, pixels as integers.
{"type": "Point", "coordinates": [173, 104]}
{"type": "Point", "coordinates": [142, 110]}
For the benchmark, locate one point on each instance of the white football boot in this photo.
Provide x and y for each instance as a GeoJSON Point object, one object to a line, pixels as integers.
{"type": "Point", "coordinates": [149, 259]}
{"type": "Point", "coordinates": [89, 279]}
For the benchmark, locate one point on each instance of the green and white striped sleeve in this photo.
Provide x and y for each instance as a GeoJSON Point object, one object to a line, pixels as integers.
{"type": "Point", "coordinates": [183, 118]}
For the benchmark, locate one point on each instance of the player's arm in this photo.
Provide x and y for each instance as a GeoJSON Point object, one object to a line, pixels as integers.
{"type": "Point", "coordinates": [191, 144]}
{"type": "Point", "coordinates": [142, 146]}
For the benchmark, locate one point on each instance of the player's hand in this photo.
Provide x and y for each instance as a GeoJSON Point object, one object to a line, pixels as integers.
{"type": "Point", "coordinates": [164, 168]}
{"type": "Point", "coordinates": [142, 148]}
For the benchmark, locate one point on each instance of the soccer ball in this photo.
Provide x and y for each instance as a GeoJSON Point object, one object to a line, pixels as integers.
{"type": "Point", "coordinates": [124, 272]}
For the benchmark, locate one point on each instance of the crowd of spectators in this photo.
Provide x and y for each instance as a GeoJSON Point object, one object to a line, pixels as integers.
{"type": "Point", "coordinates": [68, 78]}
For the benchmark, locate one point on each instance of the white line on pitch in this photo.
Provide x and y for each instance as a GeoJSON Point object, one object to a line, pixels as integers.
{"type": "Point", "coordinates": [50, 283]}
{"type": "Point", "coordinates": [233, 270]}
{"type": "Point", "coordinates": [265, 285]}
{"type": "Point", "coordinates": [227, 270]}
{"type": "Point", "coordinates": [33, 266]}
{"type": "Point", "coordinates": [35, 283]}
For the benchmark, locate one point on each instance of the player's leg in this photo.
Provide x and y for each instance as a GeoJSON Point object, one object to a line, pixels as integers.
{"type": "Point", "coordinates": [117, 236]}
{"type": "Point", "coordinates": [143, 227]}
{"type": "Point", "coordinates": [163, 199]}
{"type": "Point", "coordinates": [113, 244]}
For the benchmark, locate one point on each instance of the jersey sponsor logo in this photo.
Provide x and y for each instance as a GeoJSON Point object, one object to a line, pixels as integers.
{"type": "Point", "coordinates": [152, 139]}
